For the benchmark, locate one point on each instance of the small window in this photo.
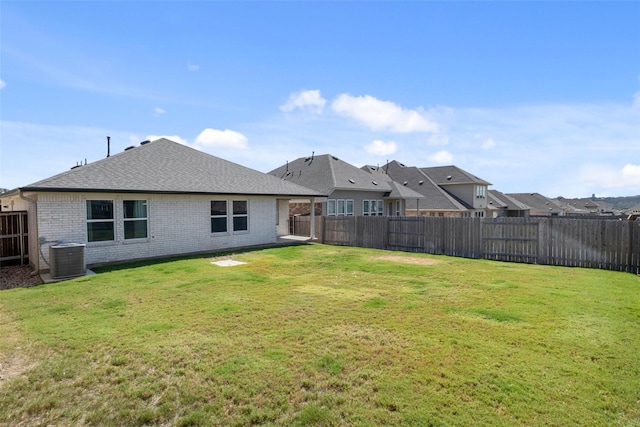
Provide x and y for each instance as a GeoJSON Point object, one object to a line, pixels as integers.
{"type": "Point", "coordinates": [240, 215]}
{"type": "Point", "coordinates": [100, 221]}
{"type": "Point", "coordinates": [373, 207]}
{"type": "Point", "coordinates": [218, 216]}
{"type": "Point", "coordinates": [331, 207]}
{"type": "Point", "coordinates": [135, 219]}
{"type": "Point", "coordinates": [350, 207]}
{"type": "Point", "coordinates": [365, 207]}
{"type": "Point", "coordinates": [341, 208]}
{"type": "Point", "coordinates": [380, 208]}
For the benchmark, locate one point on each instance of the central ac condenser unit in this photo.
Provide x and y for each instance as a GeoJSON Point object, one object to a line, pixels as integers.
{"type": "Point", "coordinates": [67, 260]}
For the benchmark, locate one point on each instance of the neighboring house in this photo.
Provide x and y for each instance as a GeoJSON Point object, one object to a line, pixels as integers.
{"type": "Point", "coordinates": [400, 195]}
{"type": "Point", "coordinates": [158, 199]}
{"type": "Point", "coordinates": [449, 191]}
{"type": "Point", "coordinates": [464, 186]}
{"type": "Point", "coordinates": [349, 190]}
{"type": "Point", "coordinates": [584, 207]}
{"type": "Point", "coordinates": [501, 205]}
{"type": "Point", "coordinates": [539, 205]}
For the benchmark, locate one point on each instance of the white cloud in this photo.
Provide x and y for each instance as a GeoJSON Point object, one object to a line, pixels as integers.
{"type": "Point", "coordinates": [159, 111]}
{"type": "Point", "coordinates": [309, 100]}
{"type": "Point", "coordinates": [603, 178]}
{"type": "Point", "coordinates": [383, 115]}
{"type": "Point", "coordinates": [192, 67]}
{"type": "Point", "coordinates": [636, 100]}
{"type": "Point", "coordinates": [2, 84]}
{"type": "Point", "coordinates": [631, 172]}
{"type": "Point", "coordinates": [488, 144]}
{"type": "Point", "coordinates": [221, 139]}
{"type": "Point", "coordinates": [174, 138]}
{"type": "Point", "coordinates": [381, 148]}
{"type": "Point", "coordinates": [441, 157]}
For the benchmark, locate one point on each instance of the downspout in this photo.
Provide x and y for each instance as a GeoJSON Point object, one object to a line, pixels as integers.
{"type": "Point", "coordinates": [312, 234]}
{"type": "Point", "coordinates": [36, 264]}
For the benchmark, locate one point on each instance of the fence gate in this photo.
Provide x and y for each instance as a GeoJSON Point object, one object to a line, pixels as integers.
{"type": "Point", "coordinates": [14, 238]}
{"type": "Point", "coordinates": [510, 239]}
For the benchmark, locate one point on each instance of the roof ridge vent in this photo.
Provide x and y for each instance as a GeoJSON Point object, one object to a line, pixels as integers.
{"type": "Point", "coordinates": [145, 142]}
{"type": "Point", "coordinates": [131, 147]}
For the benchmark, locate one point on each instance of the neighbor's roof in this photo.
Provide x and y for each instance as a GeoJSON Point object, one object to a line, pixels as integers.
{"type": "Point", "coordinates": [326, 174]}
{"type": "Point", "coordinates": [499, 200]}
{"type": "Point", "coordinates": [417, 180]}
{"type": "Point", "coordinates": [536, 201]}
{"type": "Point", "coordinates": [164, 166]}
{"type": "Point", "coordinates": [398, 190]}
{"type": "Point", "coordinates": [447, 175]}
{"type": "Point", "coordinates": [582, 205]}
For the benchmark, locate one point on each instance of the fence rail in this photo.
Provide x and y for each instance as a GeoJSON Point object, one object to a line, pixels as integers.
{"type": "Point", "coordinates": [604, 243]}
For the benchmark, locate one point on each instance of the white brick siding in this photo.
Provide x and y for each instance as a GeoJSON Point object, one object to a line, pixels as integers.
{"type": "Point", "coordinates": [178, 224]}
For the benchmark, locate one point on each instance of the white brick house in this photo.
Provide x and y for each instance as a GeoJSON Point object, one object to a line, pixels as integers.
{"type": "Point", "coordinates": [158, 199]}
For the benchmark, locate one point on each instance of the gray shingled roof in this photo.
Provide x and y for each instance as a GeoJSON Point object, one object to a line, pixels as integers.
{"type": "Point", "coordinates": [398, 190]}
{"type": "Point", "coordinates": [326, 173]}
{"type": "Point", "coordinates": [537, 202]}
{"type": "Point", "coordinates": [447, 175]}
{"type": "Point", "coordinates": [582, 205]}
{"type": "Point", "coordinates": [164, 166]}
{"type": "Point", "coordinates": [417, 180]}
{"type": "Point", "coordinates": [502, 200]}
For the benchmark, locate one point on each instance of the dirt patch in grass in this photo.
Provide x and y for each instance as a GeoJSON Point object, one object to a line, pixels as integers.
{"type": "Point", "coordinates": [14, 367]}
{"type": "Point", "coordinates": [408, 259]}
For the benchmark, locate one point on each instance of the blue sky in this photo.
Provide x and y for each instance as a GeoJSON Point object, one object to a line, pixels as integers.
{"type": "Point", "coordinates": [530, 96]}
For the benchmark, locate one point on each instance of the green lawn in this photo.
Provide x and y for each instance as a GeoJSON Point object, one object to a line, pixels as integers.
{"type": "Point", "coordinates": [324, 335]}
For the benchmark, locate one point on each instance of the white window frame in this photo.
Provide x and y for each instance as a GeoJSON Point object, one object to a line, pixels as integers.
{"type": "Point", "coordinates": [481, 191]}
{"type": "Point", "coordinates": [349, 207]}
{"type": "Point", "coordinates": [112, 220]}
{"type": "Point", "coordinates": [340, 207]}
{"type": "Point", "coordinates": [331, 207]}
{"type": "Point", "coordinates": [365, 207]}
{"type": "Point", "coordinates": [125, 220]}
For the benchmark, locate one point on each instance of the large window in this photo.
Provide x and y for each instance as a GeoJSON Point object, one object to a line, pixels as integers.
{"type": "Point", "coordinates": [100, 221]}
{"type": "Point", "coordinates": [481, 191]}
{"type": "Point", "coordinates": [372, 207]}
{"type": "Point", "coordinates": [240, 215]}
{"type": "Point", "coordinates": [350, 207]}
{"type": "Point", "coordinates": [331, 207]}
{"type": "Point", "coordinates": [135, 219]}
{"type": "Point", "coordinates": [339, 207]}
{"type": "Point", "coordinates": [218, 216]}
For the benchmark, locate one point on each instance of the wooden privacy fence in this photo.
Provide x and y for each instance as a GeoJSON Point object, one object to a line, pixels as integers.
{"type": "Point", "coordinates": [14, 238]}
{"type": "Point", "coordinates": [593, 243]}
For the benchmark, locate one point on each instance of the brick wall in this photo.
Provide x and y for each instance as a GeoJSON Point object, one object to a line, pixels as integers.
{"type": "Point", "coordinates": [177, 224]}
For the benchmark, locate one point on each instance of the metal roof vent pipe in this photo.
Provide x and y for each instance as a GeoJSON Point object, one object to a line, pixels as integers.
{"type": "Point", "coordinates": [108, 146]}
